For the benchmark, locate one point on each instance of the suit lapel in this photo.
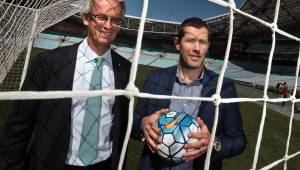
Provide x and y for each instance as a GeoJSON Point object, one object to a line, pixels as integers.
{"type": "Point", "coordinates": [209, 83]}
{"type": "Point", "coordinates": [171, 80]}
{"type": "Point", "coordinates": [121, 78]}
{"type": "Point", "coordinates": [117, 70]}
{"type": "Point", "coordinates": [70, 62]}
{"type": "Point", "coordinates": [169, 88]}
{"type": "Point", "coordinates": [207, 109]}
{"type": "Point", "coordinates": [120, 106]}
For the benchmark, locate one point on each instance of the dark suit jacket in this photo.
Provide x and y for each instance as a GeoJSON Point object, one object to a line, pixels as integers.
{"type": "Point", "coordinates": [229, 129]}
{"type": "Point", "coordinates": [48, 146]}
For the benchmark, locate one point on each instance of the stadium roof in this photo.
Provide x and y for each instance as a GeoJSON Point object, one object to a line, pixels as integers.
{"type": "Point", "coordinates": [154, 29]}
{"type": "Point", "coordinates": [244, 28]}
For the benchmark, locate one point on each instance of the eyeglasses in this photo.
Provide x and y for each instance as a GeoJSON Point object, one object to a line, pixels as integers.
{"type": "Point", "coordinates": [102, 19]}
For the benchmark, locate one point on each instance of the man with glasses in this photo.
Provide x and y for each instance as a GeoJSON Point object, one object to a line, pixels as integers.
{"type": "Point", "coordinates": [81, 132]}
{"type": "Point", "coordinates": [189, 78]}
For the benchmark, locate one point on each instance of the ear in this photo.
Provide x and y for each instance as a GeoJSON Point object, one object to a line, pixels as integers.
{"type": "Point", "coordinates": [176, 42]}
{"type": "Point", "coordinates": [85, 20]}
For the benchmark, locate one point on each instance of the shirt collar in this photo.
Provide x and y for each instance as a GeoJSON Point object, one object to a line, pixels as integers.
{"type": "Point", "coordinates": [199, 79]}
{"type": "Point", "coordinates": [91, 55]}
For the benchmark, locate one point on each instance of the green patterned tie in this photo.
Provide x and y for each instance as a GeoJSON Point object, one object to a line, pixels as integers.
{"type": "Point", "coordinates": [91, 123]}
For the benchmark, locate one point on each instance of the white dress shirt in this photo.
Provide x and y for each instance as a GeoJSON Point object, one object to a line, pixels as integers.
{"type": "Point", "coordinates": [84, 68]}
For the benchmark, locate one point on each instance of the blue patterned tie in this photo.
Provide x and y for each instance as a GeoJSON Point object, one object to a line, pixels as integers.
{"type": "Point", "coordinates": [91, 123]}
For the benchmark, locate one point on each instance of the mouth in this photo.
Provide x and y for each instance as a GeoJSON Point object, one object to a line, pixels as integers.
{"type": "Point", "coordinates": [105, 33]}
{"type": "Point", "coordinates": [195, 57]}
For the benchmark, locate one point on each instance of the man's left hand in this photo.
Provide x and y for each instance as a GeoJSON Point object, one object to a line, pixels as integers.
{"type": "Point", "coordinates": [200, 147]}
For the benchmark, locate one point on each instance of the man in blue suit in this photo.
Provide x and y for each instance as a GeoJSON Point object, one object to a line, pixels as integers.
{"type": "Point", "coordinates": [190, 78]}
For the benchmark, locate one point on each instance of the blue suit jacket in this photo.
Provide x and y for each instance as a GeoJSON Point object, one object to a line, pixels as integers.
{"type": "Point", "coordinates": [229, 129]}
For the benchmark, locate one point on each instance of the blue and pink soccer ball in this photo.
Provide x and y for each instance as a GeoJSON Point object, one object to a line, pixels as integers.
{"type": "Point", "coordinates": [175, 127]}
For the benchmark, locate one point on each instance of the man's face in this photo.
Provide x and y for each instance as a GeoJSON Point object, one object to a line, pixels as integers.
{"type": "Point", "coordinates": [193, 47]}
{"type": "Point", "coordinates": [102, 23]}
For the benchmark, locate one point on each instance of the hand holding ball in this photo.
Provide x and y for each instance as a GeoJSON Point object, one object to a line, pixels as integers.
{"type": "Point", "coordinates": [175, 128]}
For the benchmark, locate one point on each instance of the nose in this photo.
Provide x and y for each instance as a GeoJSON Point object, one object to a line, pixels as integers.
{"type": "Point", "coordinates": [107, 24]}
{"type": "Point", "coordinates": [196, 47]}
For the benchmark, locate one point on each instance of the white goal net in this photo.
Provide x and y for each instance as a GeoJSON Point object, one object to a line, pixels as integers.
{"type": "Point", "coordinates": [21, 20]}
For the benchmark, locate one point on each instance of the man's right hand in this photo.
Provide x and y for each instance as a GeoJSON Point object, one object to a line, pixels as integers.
{"type": "Point", "coordinates": [150, 129]}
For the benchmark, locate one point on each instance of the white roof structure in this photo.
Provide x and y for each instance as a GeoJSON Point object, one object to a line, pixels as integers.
{"type": "Point", "coordinates": [246, 29]}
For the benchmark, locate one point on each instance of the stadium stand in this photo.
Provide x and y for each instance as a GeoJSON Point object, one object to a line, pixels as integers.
{"type": "Point", "coordinates": [162, 52]}
{"type": "Point", "coordinates": [158, 49]}
{"type": "Point", "coordinates": [241, 75]}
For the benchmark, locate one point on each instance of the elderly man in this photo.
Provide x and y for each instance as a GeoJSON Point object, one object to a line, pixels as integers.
{"type": "Point", "coordinates": [78, 133]}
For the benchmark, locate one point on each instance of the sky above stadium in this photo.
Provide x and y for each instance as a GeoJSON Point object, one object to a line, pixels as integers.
{"type": "Point", "coordinates": [177, 10]}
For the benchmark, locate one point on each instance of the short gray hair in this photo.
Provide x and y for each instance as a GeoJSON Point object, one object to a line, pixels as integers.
{"type": "Point", "coordinates": [87, 6]}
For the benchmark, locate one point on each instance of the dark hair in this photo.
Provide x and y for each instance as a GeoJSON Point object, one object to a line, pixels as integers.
{"type": "Point", "coordinates": [194, 22]}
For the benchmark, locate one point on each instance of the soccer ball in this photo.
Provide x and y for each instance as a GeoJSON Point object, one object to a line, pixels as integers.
{"type": "Point", "coordinates": [175, 127]}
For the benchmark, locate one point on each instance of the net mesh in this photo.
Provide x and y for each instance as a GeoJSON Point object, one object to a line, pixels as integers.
{"type": "Point", "coordinates": [22, 20]}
